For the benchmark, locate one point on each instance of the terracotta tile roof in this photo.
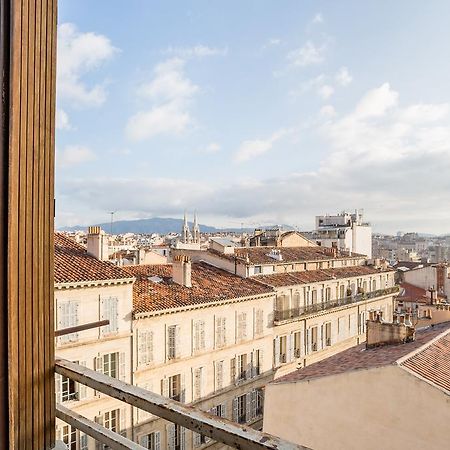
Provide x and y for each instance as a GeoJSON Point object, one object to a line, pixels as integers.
{"type": "Point", "coordinates": [413, 293]}
{"type": "Point", "coordinates": [259, 255]}
{"type": "Point", "coordinates": [209, 284]}
{"type": "Point", "coordinates": [361, 358]}
{"type": "Point", "coordinates": [74, 265]}
{"type": "Point", "coordinates": [315, 276]}
{"type": "Point", "coordinates": [433, 362]}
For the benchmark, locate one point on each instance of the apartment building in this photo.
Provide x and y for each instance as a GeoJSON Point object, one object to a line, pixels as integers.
{"type": "Point", "coordinates": [212, 332]}
{"type": "Point", "coordinates": [88, 290]}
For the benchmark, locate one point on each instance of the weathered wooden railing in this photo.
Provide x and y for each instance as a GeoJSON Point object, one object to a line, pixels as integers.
{"type": "Point", "coordinates": [294, 313]}
{"type": "Point", "coordinates": [218, 429]}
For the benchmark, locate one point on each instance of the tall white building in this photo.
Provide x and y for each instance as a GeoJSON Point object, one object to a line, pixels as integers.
{"type": "Point", "coordinates": [345, 231]}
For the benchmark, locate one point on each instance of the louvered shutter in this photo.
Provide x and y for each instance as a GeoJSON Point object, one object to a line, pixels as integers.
{"type": "Point", "coordinates": [141, 348]}
{"type": "Point", "coordinates": [165, 387]}
{"type": "Point", "coordinates": [322, 337]}
{"type": "Point", "coordinates": [248, 368]}
{"type": "Point", "coordinates": [143, 441]}
{"type": "Point", "coordinates": [183, 388]}
{"type": "Point", "coordinates": [58, 387]}
{"type": "Point", "coordinates": [104, 303]}
{"type": "Point", "coordinates": [82, 388]}
{"type": "Point", "coordinates": [248, 406]}
{"type": "Point", "coordinates": [122, 366]}
{"type": "Point", "coordinates": [123, 421]}
{"type": "Point", "coordinates": [276, 351]}
{"type": "Point", "coordinates": [290, 347]}
{"type": "Point", "coordinates": [253, 395]}
{"type": "Point", "coordinates": [177, 341]}
{"type": "Point", "coordinates": [219, 375]}
{"type": "Point", "coordinates": [182, 438]}
{"type": "Point", "coordinates": [171, 436]}
{"type": "Point", "coordinates": [260, 362]}
{"type": "Point", "coordinates": [98, 365]}
{"type": "Point", "coordinates": [197, 438]}
{"type": "Point", "coordinates": [202, 335]}
{"type": "Point", "coordinates": [157, 441]}
{"type": "Point", "coordinates": [84, 444]}
{"type": "Point", "coordinates": [233, 370]}
{"type": "Point", "coordinates": [235, 409]}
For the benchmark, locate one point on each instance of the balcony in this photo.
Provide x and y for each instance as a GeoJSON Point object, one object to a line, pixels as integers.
{"type": "Point", "coordinates": [216, 428]}
{"type": "Point", "coordinates": [296, 313]}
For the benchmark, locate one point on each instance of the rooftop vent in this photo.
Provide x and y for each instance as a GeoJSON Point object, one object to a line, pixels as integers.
{"type": "Point", "coordinates": [275, 254]}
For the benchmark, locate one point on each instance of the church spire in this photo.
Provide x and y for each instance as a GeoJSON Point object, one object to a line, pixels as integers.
{"type": "Point", "coordinates": [185, 232]}
{"type": "Point", "coordinates": [196, 230]}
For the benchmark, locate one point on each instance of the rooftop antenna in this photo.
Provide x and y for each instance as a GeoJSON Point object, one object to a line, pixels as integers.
{"type": "Point", "coordinates": [112, 220]}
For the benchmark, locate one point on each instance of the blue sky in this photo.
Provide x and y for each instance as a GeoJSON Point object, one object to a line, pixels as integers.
{"type": "Point", "coordinates": [254, 112]}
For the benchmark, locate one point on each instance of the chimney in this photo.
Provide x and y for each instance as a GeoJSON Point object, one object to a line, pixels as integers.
{"type": "Point", "coordinates": [97, 243]}
{"type": "Point", "coordinates": [182, 270]}
{"type": "Point", "coordinates": [380, 333]}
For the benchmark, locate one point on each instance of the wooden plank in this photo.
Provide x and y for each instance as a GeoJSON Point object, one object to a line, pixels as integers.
{"type": "Point", "coordinates": [217, 428]}
{"type": "Point", "coordinates": [99, 433]}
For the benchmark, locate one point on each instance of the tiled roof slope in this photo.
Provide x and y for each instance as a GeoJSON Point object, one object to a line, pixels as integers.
{"type": "Point", "coordinates": [315, 276]}
{"type": "Point", "coordinates": [209, 284]}
{"type": "Point", "coordinates": [259, 255]}
{"type": "Point", "coordinates": [74, 265]}
{"type": "Point", "coordinates": [417, 294]}
{"type": "Point", "coordinates": [433, 362]}
{"type": "Point", "coordinates": [359, 357]}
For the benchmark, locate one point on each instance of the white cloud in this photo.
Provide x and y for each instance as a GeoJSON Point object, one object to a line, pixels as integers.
{"type": "Point", "coordinates": [377, 101]}
{"type": "Point", "coordinates": [171, 93]}
{"type": "Point", "coordinates": [79, 54]}
{"type": "Point", "coordinates": [62, 120]}
{"type": "Point", "coordinates": [325, 91]}
{"type": "Point", "coordinates": [307, 55]}
{"type": "Point", "coordinates": [343, 77]}
{"type": "Point", "coordinates": [327, 111]}
{"type": "Point", "coordinates": [197, 51]}
{"type": "Point", "coordinates": [318, 18]}
{"type": "Point", "coordinates": [73, 155]}
{"type": "Point", "coordinates": [251, 148]}
{"type": "Point", "coordinates": [212, 147]}
{"type": "Point", "coordinates": [274, 41]}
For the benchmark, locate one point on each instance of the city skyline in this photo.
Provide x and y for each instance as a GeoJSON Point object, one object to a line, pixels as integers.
{"type": "Point", "coordinates": [331, 111]}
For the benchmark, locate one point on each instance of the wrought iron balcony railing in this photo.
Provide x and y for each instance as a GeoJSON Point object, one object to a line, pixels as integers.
{"type": "Point", "coordinates": [216, 428]}
{"type": "Point", "coordinates": [295, 313]}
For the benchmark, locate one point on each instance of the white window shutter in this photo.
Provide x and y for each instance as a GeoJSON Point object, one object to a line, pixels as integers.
{"type": "Point", "coordinates": [261, 362]}
{"type": "Point", "coordinates": [141, 348]}
{"type": "Point", "coordinates": [197, 438]}
{"type": "Point", "coordinates": [82, 388]}
{"type": "Point", "coordinates": [253, 395]}
{"type": "Point", "coordinates": [58, 387]}
{"type": "Point", "coordinates": [202, 335]}
{"type": "Point", "coordinates": [143, 441]}
{"type": "Point", "coordinates": [203, 380]}
{"type": "Point", "coordinates": [165, 387]}
{"type": "Point", "coordinates": [248, 406]}
{"type": "Point", "coordinates": [276, 351]}
{"type": "Point", "coordinates": [177, 341]}
{"type": "Point", "coordinates": [122, 366]}
{"type": "Point", "coordinates": [123, 421]}
{"type": "Point", "coordinates": [171, 436]}
{"type": "Point", "coordinates": [235, 409]}
{"type": "Point", "coordinates": [233, 370]}
{"type": "Point", "coordinates": [99, 419]}
{"type": "Point", "coordinates": [183, 388]}
{"type": "Point", "coordinates": [182, 438]}
{"type": "Point", "coordinates": [308, 340]}
{"type": "Point", "coordinates": [84, 443]}
{"type": "Point", "coordinates": [224, 410]}
{"type": "Point", "coordinates": [157, 441]}
{"type": "Point", "coordinates": [322, 337]}
{"type": "Point", "coordinates": [290, 349]}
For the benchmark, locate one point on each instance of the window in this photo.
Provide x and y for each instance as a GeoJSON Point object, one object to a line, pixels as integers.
{"type": "Point", "coordinates": [281, 350]}
{"type": "Point", "coordinates": [67, 317]}
{"type": "Point", "coordinates": [219, 410]}
{"type": "Point", "coordinates": [69, 437]}
{"type": "Point", "coordinates": [145, 347]}
{"type": "Point", "coordinates": [173, 387]}
{"type": "Point", "coordinates": [341, 291]}
{"type": "Point", "coordinates": [176, 437]}
{"type": "Point", "coordinates": [113, 420]}
{"type": "Point", "coordinates": [282, 302]}
{"type": "Point", "coordinates": [232, 370]}
{"type": "Point", "coordinates": [297, 344]}
{"type": "Point", "coordinates": [313, 297]}
{"type": "Point", "coordinates": [241, 326]}
{"type": "Point", "coordinates": [259, 322]}
{"type": "Point", "coordinates": [220, 332]}
{"type": "Point", "coordinates": [109, 311]}
{"type": "Point", "coordinates": [313, 339]}
{"type": "Point", "coordinates": [151, 441]}
{"type": "Point", "coordinates": [68, 389]}
{"type": "Point", "coordinates": [296, 300]}
{"type": "Point", "coordinates": [242, 367]}
{"type": "Point", "coordinates": [173, 336]}
{"type": "Point", "coordinates": [219, 375]}
{"type": "Point", "coordinates": [328, 334]}
{"type": "Point", "coordinates": [199, 439]}
{"type": "Point", "coordinates": [141, 415]}
{"type": "Point", "coordinates": [197, 383]}
{"type": "Point", "coordinates": [199, 335]}
{"type": "Point", "coordinates": [258, 403]}
{"type": "Point", "coordinates": [257, 357]}
{"type": "Point", "coordinates": [327, 294]}
{"type": "Point", "coordinates": [240, 409]}
{"type": "Point", "coordinates": [257, 270]}
{"type": "Point", "coordinates": [111, 364]}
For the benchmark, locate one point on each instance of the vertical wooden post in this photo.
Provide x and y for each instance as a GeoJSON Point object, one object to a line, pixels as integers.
{"type": "Point", "coordinates": [27, 80]}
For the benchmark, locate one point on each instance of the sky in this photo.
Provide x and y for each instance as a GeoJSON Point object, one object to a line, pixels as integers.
{"type": "Point", "coordinates": [254, 112]}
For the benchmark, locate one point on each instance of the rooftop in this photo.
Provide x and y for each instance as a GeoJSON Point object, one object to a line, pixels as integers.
{"type": "Point", "coordinates": [209, 285]}
{"type": "Point", "coordinates": [316, 276]}
{"type": "Point", "coordinates": [73, 264]}
{"type": "Point", "coordinates": [416, 294]}
{"type": "Point", "coordinates": [259, 255]}
{"type": "Point", "coordinates": [358, 357]}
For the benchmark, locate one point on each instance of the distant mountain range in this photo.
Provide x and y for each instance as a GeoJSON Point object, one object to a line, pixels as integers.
{"type": "Point", "coordinates": [155, 225]}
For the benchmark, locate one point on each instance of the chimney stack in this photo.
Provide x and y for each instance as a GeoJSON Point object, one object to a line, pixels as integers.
{"type": "Point", "coordinates": [380, 333]}
{"type": "Point", "coordinates": [182, 270]}
{"type": "Point", "coordinates": [97, 243]}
